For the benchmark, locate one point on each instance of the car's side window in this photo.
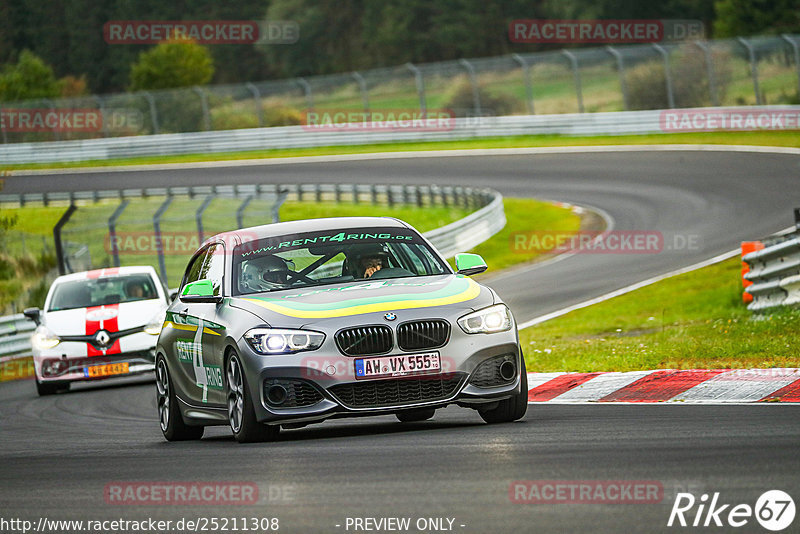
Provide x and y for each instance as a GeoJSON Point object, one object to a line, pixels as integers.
{"type": "Point", "coordinates": [193, 272]}
{"type": "Point", "coordinates": [214, 267]}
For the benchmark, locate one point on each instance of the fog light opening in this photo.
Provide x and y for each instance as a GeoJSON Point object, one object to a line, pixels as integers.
{"type": "Point", "coordinates": [508, 370]}
{"type": "Point", "coordinates": [276, 395]}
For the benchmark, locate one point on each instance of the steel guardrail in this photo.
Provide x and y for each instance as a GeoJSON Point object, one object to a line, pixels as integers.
{"type": "Point", "coordinates": [775, 273]}
{"type": "Point", "coordinates": [606, 123]}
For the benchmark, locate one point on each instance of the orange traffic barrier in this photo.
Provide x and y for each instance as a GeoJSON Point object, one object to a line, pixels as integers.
{"type": "Point", "coordinates": [747, 248]}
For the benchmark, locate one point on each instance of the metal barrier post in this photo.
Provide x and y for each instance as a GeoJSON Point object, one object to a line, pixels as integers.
{"type": "Point", "coordinates": [256, 102]}
{"type": "Point", "coordinates": [796, 49]}
{"type": "Point", "coordinates": [151, 102]}
{"type": "Point", "coordinates": [667, 74]}
{"type": "Point", "coordinates": [2, 128]}
{"type": "Point", "coordinates": [276, 207]}
{"type": "Point", "coordinates": [473, 80]}
{"type": "Point", "coordinates": [198, 216]}
{"type": "Point", "coordinates": [753, 67]}
{"type": "Point", "coordinates": [526, 73]}
{"type": "Point", "coordinates": [712, 82]}
{"type": "Point", "coordinates": [420, 81]}
{"type": "Point", "coordinates": [52, 106]}
{"type": "Point", "coordinates": [204, 102]}
{"type": "Point", "coordinates": [576, 72]}
{"type": "Point", "coordinates": [362, 86]}
{"type": "Point", "coordinates": [306, 91]}
{"type": "Point", "coordinates": [162, 265]}
{"type": "Point", "coordinates": [112, 230]}
{"type": "Point", "coordinates": [101, 106]}
{"type": "Point", "coordinates": [62, 268]}
{"type": "Point", "coordinates": [240, 211]}
{"type": "Point", "coordinates": [621, 69]}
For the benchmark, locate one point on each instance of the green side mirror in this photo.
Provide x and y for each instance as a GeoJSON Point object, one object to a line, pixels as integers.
{"type": "Point", "coordinates": [469, 264]}
{"type": "Point", "coordinates": [200, 288]}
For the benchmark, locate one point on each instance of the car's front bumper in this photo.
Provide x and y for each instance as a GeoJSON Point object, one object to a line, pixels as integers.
{"type": "Point", "coordinates": [77, 368]}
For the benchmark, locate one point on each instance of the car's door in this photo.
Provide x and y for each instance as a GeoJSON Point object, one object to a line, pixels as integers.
{"type": "Point", "coordinates": [198, 340]}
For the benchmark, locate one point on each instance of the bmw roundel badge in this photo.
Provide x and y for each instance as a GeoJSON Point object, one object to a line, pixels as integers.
{"type": "Point", "coordinates": [389, 316]}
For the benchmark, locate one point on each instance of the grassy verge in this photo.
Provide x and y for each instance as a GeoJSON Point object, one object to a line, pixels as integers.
{"type": "Point", "coordinates": [695, 320]}
{"type": "Point", "coordinates": [770, 138]}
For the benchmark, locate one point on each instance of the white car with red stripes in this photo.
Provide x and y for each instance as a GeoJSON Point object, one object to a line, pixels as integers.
{"type": "Point", "coordinates": [97, 324]}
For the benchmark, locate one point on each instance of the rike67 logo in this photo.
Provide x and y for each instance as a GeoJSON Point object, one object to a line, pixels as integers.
{"type": "Point", "coordinates": [774, 510]}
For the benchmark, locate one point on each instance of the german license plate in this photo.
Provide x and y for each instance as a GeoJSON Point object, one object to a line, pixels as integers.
{"type": "Point", "coordinates": [96, 371]}
{"type": "Point", "coordinates": [406, 364]}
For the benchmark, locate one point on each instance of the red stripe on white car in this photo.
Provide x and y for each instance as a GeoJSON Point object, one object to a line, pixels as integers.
{"type": "Point", "coordinates": [102, 318]}
{"type": "Point", "coordinates": [97, 273]}
{"type": "Point", "coordinates": [686, 386]}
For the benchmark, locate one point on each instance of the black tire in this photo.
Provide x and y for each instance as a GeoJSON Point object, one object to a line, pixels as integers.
{"type": "Point", "coordinates": [170, 419]}
{"type": "Point", "coordinates": [50, 388]}
{"type": "Point", "coordinates": [241, 414]}
{"type": "Point", "coordinates": [418, 414]}
{"type": "Point", "coordinates": [511, 409]}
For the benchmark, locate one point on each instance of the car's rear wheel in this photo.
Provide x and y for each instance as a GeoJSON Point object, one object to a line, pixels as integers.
{"type": "Point", "coordinates": [417, 414]}
{"type": "Point", "coordinates": [50, 388]}
{"type": "Point", "coordinates": [510, 409]}
{"type": "Point", "coordinates": [170, 419]}
{"type": "Point", "coordinates": [241, 414]}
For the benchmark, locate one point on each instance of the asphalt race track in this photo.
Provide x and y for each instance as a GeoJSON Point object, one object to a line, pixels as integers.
{"type": "Point", "coordinates": [58, 454]}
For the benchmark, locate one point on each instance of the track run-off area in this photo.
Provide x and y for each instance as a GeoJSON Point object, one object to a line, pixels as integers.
{"type": "Point", "coordinates": [60, 455]}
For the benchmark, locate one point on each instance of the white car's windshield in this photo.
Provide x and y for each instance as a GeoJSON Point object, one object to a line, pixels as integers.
{"type": "Point", "coordinates": [330, 257]}
{"type": "Point", "coordinates": [103, 290]}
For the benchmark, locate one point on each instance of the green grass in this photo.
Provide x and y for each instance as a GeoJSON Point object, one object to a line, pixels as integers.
{"type": "Point", "coordinates": [770, 138]}
{"type": "Point", "coordinates": [694, 320]}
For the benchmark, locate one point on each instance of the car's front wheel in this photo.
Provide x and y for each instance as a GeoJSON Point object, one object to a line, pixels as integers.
{"type": "Point", "coordinates": [510, 409]}
{"type": "Point", "coordinates": [169, 414]}
{"type": "Point", "coordinates": [241, 414]}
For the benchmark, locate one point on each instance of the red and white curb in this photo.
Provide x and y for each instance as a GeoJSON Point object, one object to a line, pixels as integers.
{"type": "Point", "coordinates": [687, 386]}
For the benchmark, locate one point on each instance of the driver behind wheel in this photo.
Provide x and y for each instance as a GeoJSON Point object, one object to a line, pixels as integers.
{"type": "Point", "coordinates": [265, 273]}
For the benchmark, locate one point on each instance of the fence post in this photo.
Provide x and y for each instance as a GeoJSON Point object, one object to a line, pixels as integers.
{"type": "Point", "coordinates": [420, 81]}
{"type": "Point", "coordinates": [52, 106]}
{"type": "Point", "coordinates": [473, 80]}
{"type": "Point", "coordinates": [526, 73]}
{"type": "Point", "coordinates": [162, 265]}
{"type": "Point", "coordinates": [204, 103]}
{"type": "Point", "coordinates": [240, 211]}
{"type": "Point", "coordinates": [667, 74]}
{"type": "Point", "coordinates": [256, 101]}
{"type": "Point", "coordinates": [276, 208]}
{"type": "Point", "coordinates": [306, 87]}
{"type": "Point", "coordinates": [712, 82]}
{"type": "Point", "coordinates": [99, 100]}
{"type": "Point", "coordinates": [753, 66]}
{"type": "Point", "coordinates": [786, 37]}
{"type": "Point", "coordinates": [62, 268]}
{"type": "Point", "coordinates": [621, 70]}
{"type": "Point", "coordinates": [2, 127]}
{"type": "Point", "coordinates": [112, 230]}
{"type": "Point", "coordinates": [362, 86]}
{"type": "Point", "coordinates": [576, 72]}
{"type": "Point", "coordinates": [198, 216]}
{"type": "Point", "coordinates": [151, 102]}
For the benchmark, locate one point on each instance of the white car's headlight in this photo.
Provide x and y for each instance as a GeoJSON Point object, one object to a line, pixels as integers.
{"type": "Point", "coordinates": [283, 341]}
{"type": "Point", "coordinates": [154, 325]}
{"type": "Point", "coordinates": [44, 339]}
{"type": "Point", "coordinates": [489, 320]}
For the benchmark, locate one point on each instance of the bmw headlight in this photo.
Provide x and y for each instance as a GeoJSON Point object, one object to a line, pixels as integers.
{"type": "Point", "coordinates": [283, 341]}
{"type": "Point", "coordinates": [489, 320]}
{"type": "Point", "coordinates": [154, 325]}
{"type": "Point", "coordinates": [44, 339]}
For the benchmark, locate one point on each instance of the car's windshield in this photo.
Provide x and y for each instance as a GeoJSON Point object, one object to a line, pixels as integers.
{"type": "Point", "coordinates": [103, 290]}
{"type": "Point", "coordinates": [331, 257]}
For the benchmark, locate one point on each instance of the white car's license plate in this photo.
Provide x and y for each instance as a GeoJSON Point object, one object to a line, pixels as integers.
{"type": "Point", "coordinates": [400, 365]}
